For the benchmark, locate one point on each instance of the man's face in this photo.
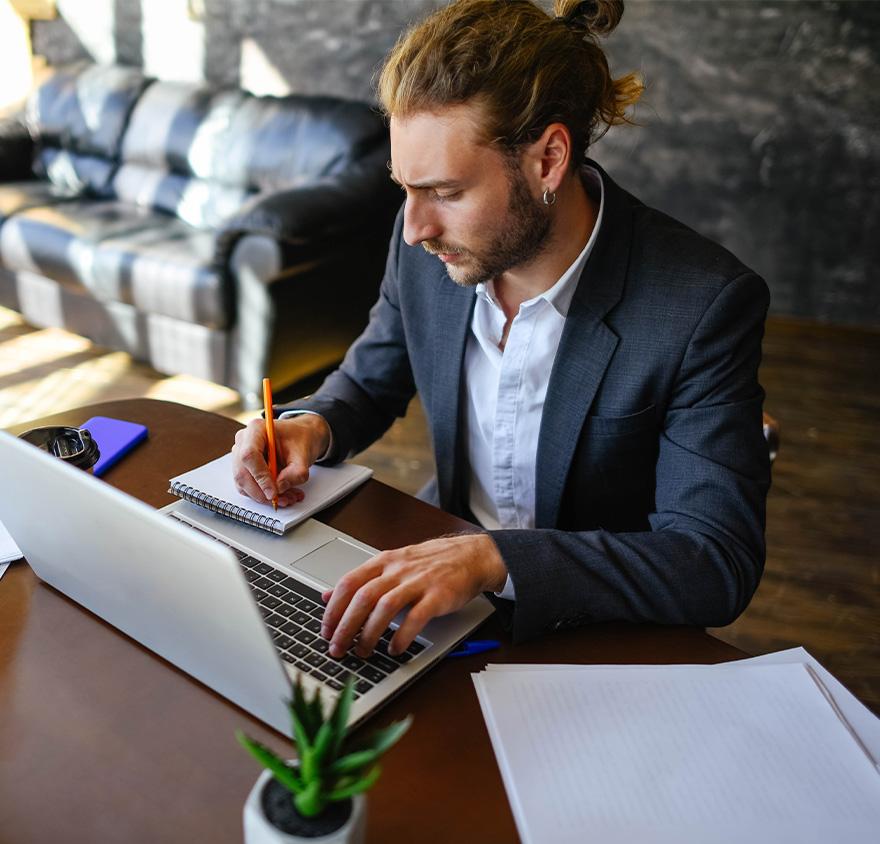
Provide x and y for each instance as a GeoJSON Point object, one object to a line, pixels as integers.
{"type": "Point", "coordinates": [466, 202]}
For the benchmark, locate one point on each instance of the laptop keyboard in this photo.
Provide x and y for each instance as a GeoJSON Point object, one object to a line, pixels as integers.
{"type": "Point", "coordinates": [293, 612]}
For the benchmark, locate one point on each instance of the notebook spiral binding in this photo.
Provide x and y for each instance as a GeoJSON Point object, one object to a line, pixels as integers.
{"type": "Point", "coordinates": [233, 511]}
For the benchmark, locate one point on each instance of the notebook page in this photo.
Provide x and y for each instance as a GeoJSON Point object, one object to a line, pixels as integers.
{"type": "Point", "coordinates": [326, 485]}
{"type": "Point", "coordinates": [651, 755]}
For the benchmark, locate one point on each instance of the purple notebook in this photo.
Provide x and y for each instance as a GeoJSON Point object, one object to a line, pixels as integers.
{"type": "Point", "coordinates": [115, 438]}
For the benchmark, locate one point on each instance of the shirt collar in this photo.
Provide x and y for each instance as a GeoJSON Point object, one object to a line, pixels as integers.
{"type": "Point", "coordinates": [561, 293]}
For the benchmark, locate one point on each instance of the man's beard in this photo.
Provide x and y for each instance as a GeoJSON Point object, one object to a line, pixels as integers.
{"type": "Point", "coordinates": [517, 241]}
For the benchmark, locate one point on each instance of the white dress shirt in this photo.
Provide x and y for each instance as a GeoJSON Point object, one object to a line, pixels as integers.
{"type": "Point", "coordinates": [505, 393]}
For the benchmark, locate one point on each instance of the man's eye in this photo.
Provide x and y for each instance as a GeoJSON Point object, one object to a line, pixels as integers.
{"type": "Point", "coordinates": [447, 197]}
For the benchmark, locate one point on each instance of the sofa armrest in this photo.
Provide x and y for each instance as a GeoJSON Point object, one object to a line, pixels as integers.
{"type": "Point", "coordinates": [16, 150]}
{"type": "Point", "coordinates": [317, 213]}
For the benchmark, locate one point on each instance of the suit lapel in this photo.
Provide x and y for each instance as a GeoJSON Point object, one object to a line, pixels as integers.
{"type": "Point", "coordinates": [585, 350]}
{"type": "Point", "coordinates": [452, 320]}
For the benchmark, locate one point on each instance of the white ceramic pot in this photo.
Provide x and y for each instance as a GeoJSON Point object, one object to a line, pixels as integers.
{"type": "Point", "coordinates": [259, 830]}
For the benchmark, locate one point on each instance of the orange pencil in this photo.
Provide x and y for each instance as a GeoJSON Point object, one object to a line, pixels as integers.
{"type": "Point", "coordinates": [270, 431]}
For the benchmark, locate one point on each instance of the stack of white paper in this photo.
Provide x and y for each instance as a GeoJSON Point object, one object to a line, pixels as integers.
{"type": "Point", "coordinates": [771, 749]}
{"type": "Point", "coordinates": [8, 549]}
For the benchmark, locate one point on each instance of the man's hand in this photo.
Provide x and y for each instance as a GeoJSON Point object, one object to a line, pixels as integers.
{"type": "Point", "coordinates": [432, 578]}
{"type": "Point", "coordinates": [300, 441]}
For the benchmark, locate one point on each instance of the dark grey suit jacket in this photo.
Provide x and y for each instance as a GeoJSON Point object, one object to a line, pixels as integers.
{"type": "Point", "coordinates": [652, 470]}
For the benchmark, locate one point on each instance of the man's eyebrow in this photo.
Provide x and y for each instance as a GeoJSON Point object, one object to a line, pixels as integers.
{"type": "Point", "coordinates": [430, 184]}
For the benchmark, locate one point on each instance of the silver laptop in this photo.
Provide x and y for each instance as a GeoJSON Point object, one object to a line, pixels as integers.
{"type": "Point", "coordinates": [233, 606]}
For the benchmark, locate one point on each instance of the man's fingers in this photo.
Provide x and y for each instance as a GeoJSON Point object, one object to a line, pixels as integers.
{"type": "Point", "coordinates": [388, 606]}
{"type": "Point", "coordinates": [344, 591]}
{"type": "Point", "coordinates": [413, 624]}
{"type": "Point", "coordinates": [359, 609]}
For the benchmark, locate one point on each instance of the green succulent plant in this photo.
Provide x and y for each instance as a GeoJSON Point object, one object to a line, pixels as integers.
{"type": "Point", "coordinates": [328, 769]}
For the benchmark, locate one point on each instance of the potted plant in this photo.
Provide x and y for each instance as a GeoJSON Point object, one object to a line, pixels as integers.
{"type": "Point", "coordinates": [320, 796]}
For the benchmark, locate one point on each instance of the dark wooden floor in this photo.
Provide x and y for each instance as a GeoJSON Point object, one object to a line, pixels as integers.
{"type": "Point", "coordinates": [821, 586]}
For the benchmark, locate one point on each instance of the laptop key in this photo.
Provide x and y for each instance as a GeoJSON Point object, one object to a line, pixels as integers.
{"type": "Point", "coordinates": [250, 575]}
{"type": "Point", "coordinates": [290, 628]}
{"type": "Point", "coordinates": [305, 636]}
{"type": "Point", "coordinates": [315, 660]}
{"type": "Point", "coordinates": [279, 591]}
{"type": "Point", "coordinates": [270, 601]}
{"type": "Point", "coordinates": [321, 645]}
{"type": "Point", "coordinates": [288, 657]}
{"type": "Point", "coordinates": [317, 612]}
{"type": "Point", "coordinates": [312, 624]}
{"type": "Point", "coordinates": [363, 686]}
{"type": "Point", "coordinates": [285, 609]}
{"type": "Point", "coordinates": [306, 605]}
{"type": "Point", "coordinates": [300, 617]}
{"type": "Point", "coordinates": [301, 589]}
{"type": "Point", "coordinates": [258, 594]}
{"type": "Point", "coordinates": [353, 662]}
{"type": "Point", "coordinates": [299, 649]}
{"type": "Point", "coordinates": [415, 648]}
{"type": "Point", "coordinates": [332, 668]}
{"type": "Point", "coordinates": [334, 684]}
{"type": "Point", "coordinates": [265, 611]}
{"type": "Point", "coordinates": [275, 621]}
{"type": "Point", "coordinates": [276, 575]}
{"type": "Point", "coordinates": [283, 641]}
{"type": "Point", "coordinates": [304, 667]}
{"type": "Point", "coordinates": [383, 662]}
{"type": "Point", "coordinates": [319, 675]}
{"type": "Point", "coordinates": [371, 673]}
{"type": "Point", "coordinates": [264, 583]}
{"type": "Point", "coordinates": [263, 568]}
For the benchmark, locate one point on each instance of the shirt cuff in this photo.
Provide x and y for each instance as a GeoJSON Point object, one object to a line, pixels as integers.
{"type": "Point", "coordinates": [289, 414]}
{"type": "Point", "coordinates": [508, 591]}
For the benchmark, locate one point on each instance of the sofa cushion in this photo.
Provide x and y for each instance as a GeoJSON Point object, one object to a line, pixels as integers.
{"type": "Point", "coordinates": [199, 202]}
{"type": "Point", "coordinates": [83, 109]}
{"type": "Point", "coordinates": [258, 143]}
{"type": "Point", "coordinates": [201, 154]}
{"type": "Point", "coordinates": [121, 253]}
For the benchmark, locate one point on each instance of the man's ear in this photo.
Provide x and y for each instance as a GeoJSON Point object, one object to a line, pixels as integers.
{"type": "Point", "coordinates": [550, 156]}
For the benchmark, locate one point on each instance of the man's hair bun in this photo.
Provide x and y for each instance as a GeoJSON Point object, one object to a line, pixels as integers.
{"type": "Point", "coordinates": [592, 17]}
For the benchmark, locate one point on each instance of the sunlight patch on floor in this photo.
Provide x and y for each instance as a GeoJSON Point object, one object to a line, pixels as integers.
{"type": "Point", "coordinates": [195, 392]}
{"type": "Point", "coordinates": [64, 388]}
{"type": "Point", "coordinates": [39, 347]}
{"type": "Point", "coordinates": [92, 374]}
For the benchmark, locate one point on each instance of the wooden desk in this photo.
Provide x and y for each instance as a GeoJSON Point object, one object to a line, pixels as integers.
{"type": "Point", "coordinates": [102, 741]}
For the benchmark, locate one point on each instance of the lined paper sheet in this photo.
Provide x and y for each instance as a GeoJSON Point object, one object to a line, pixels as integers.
{"type": "Point", "coordinates": [865, 723]}
{"type": "Point", "coordinates": [683, 755]}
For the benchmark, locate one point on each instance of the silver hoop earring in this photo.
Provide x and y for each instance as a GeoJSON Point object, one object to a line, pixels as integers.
{"type": "Point", "coordinates": [549, 198]}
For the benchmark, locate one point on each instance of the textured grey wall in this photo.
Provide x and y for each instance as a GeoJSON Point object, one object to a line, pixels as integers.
{"type": "Point", "coordinates": [760, 126]}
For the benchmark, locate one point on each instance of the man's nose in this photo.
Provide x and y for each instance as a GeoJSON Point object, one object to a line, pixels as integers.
{"type": "Point", "coordinates": [419, 222]}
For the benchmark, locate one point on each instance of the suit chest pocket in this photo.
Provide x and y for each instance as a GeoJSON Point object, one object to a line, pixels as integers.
{"type": "Point", "coordinates": [624, 449]}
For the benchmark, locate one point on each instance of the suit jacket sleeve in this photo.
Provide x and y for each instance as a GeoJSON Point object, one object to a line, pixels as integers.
{"type": "Point", "coordinates": [374, 383]}
{"type": "Point", "coordinates": [701, 561]}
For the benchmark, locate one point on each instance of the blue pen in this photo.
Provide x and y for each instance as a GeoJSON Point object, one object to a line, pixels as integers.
{"type": "Point", "coordinates": [475, 646]}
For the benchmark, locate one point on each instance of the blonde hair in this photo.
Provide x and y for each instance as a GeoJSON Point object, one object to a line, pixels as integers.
{"type": "Point", "coordinates": [526, 68]}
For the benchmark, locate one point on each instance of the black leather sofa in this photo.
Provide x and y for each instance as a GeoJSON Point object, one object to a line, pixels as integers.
{"type": "Point", "coordinates": [208, 232]}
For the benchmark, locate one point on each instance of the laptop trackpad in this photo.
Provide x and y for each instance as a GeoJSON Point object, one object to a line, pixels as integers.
{"type": "Point", "coordinates": [329, 562]}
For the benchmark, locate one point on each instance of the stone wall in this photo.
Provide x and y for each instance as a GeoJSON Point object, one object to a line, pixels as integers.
{"type": "Point", "coordinates": [760, 126]}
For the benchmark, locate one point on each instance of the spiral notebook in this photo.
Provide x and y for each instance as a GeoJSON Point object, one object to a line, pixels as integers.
{"type": "Point", "coordinates": [211, 486]}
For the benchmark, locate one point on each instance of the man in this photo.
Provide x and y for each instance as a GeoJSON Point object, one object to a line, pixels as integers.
{"type": "Point", "coordinates": [588, 366]}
